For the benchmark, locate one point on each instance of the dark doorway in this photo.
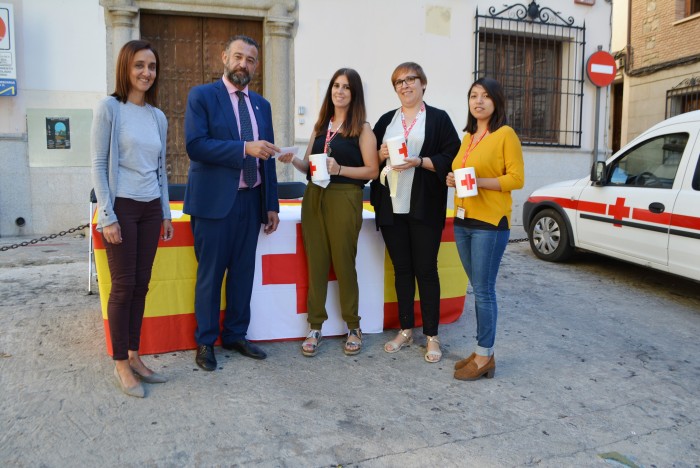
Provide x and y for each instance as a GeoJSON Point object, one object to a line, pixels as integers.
{"type": "Point", "coordinates": [190, 54]}
{"type": "Point", "coordinates": [617, 116]}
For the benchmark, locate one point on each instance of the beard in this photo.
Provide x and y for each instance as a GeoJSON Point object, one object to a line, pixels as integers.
{"type": "Point", "coordinates": [238, 76]}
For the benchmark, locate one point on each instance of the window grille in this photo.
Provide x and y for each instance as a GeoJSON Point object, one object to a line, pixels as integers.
{"type": "Point", "coordinates": [538, 58]}
{"type": "Point", "coordinates": [684, 97]}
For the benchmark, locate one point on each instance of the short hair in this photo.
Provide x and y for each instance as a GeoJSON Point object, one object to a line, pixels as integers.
{"type": "Point", "coordinates": [357, 113]}
{"type": "Point", "coordinates": [122, 85]}
{"type": "Point", "coordinates": [409, 67]}
{"type": "Point", "coordinates": [495, 92]}
{"type": "Point", "coordinates": [242, 37]}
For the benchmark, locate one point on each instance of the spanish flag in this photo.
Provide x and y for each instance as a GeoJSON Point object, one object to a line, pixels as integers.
{"type": "Point", "coordinates": [279, 293]}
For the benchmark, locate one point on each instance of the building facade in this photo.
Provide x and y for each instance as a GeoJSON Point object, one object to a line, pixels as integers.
{"type": "Point", "coordinates": [65, 64]}
{"type": "Point", "coordinates": [659, 63]}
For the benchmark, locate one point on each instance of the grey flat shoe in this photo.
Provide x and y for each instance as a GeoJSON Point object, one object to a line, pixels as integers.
{"type": "Point", "coordinates": [135, 391]}
{"type": "Point", "coordinates": [153, 378]}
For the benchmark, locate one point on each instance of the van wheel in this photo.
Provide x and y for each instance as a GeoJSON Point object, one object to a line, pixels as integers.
{"type": "Point", "coordinates": [549, 237]}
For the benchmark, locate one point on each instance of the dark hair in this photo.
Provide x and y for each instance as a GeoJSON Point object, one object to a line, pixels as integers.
{"type": "Point", "coordinates": [409, 67]}
{"type": "Point", "coordinates": [241, 37]}
{"type": "Point", "coordinates": [495, 92]}
{"type": "Point", "coordinates": [122, 85]}
{"type": "Point", "coordinates": [357, 113]}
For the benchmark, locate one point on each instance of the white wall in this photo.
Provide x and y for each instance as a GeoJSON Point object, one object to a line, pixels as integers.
{"type": "Point", "coordinates": [60, 65]}
{"type": "Point", "coordinates": [620, 12]}
{"type": "Point", "coordinates": [60, 58]}
{"type": "Point", "coordinates": [331, 36]}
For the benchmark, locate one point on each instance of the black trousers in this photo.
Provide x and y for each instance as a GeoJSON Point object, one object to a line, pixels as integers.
{"type": "Point", "coordinates": [413, 247]}
{"type": "Point", "coordinates": [130, 264]}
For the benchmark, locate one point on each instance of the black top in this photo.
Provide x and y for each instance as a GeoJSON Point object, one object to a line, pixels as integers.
{"type": "Point", "coordinates": [429, 190]}
{"type": "Point", "coordinates": [346, 151]}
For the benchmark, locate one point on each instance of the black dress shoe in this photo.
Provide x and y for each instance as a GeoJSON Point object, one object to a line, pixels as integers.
{"type": "Point", "coordinates": [246, 348]}
{"type": "Point", "coordinates": [205, 357]}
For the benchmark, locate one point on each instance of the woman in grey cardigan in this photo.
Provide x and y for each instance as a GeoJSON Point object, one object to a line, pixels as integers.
{"type": "Point", "coordinates": [128, 172]}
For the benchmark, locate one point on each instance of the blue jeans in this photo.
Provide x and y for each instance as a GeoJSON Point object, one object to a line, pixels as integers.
{"type": "Point", "coordinates": [480, 252]}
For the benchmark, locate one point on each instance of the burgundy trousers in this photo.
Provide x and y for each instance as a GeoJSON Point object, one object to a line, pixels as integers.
{"type": "Point", "coordinates": [130, 264]}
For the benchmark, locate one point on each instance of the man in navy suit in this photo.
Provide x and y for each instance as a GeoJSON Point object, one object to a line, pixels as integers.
{"type": "Point", "coordinates": [231, 191]}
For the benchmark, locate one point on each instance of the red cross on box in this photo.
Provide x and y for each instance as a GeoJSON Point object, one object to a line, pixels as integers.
{"type": "Point", "coordinates": [404, 150]}
{"type": "Point", "coordinates": [469, 181]}
{"type": "Point", "coordinates": [291, 268]}
{"type": "Point", "coordinates": [619, 211]}
{"type": "Point", "coordinates": [313, 168]}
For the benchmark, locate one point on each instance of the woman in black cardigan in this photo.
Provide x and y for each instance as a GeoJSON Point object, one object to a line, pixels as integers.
{"type": "Point", "coordinates": [410, 201]}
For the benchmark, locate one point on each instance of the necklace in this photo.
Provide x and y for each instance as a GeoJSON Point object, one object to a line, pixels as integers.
{"type": "Point", "coordinates": [471, 148]}
{"type": "Point", "coordinates": [330, 136]}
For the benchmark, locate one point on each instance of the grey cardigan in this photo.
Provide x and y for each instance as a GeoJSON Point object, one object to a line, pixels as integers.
{"type": "Point", "coordinates": [105, 167]}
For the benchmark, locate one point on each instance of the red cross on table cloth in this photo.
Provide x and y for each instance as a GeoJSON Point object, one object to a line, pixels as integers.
{"type": "Point", "coordinates": [469, 181]}
{"type": "Point", "coordinates": [291, 268]}
{"type": "Point", "coordinates": [404, 150]}
{"type": "Point", "coordinates": [619, 211]}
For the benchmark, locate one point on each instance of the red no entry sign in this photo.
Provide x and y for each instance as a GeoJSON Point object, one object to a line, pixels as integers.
{"type": "Point", "coordinates": [601, 68]}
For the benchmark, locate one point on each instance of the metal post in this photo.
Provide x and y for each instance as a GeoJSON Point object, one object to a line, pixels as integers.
{"type": "Point", "coordinates": [597, 119]}
{"type": "Point", "coordinates": [597, 123]}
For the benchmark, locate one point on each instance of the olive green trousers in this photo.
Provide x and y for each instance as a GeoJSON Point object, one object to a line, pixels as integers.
{"type": "Point", "coordinates": [331, 220]}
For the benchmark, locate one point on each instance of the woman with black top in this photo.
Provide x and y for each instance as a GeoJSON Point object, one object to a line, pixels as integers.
{"type": "Point", "coordinates": [410, 201]}
{"type": "Point", "coordinates": [331, 217]}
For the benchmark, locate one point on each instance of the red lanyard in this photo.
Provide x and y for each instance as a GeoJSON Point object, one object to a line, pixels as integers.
{"type": "Point", "coordinates": [471, 148]}
{"type": "Point", "coordinates": [406, 131]}
{"type": "Point", "coordinates": [329, 136]}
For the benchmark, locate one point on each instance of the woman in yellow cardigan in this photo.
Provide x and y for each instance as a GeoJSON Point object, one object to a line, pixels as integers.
{"type": "Point", "coordinates": [482, 222]}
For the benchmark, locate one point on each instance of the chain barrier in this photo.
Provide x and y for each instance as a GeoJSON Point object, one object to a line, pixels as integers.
{"type": "Point", "coordinates": [43, 238]}
{"type": "Point", "coordinates": [80, 228]}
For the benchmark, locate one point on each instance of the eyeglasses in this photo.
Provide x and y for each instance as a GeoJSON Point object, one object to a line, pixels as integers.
{"type": "Point", "coordinates": [409, 80]}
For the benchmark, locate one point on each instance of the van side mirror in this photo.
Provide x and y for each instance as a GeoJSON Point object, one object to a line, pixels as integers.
{"type": "Point", "coordinates": [598, 173]}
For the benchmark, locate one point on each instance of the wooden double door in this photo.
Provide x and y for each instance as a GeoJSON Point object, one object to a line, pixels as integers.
{"type": "Point", "coordinates": [190, 49]}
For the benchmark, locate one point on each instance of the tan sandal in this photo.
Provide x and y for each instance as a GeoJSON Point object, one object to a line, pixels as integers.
{"type": "Point", "coordinates": [394, 346]}
{"type": "Point", "coordinates": [310, 348]}
{"type": "Point", "coordinates": [437, 354]}
{"type": "Point", "coordinates": [353, 344]}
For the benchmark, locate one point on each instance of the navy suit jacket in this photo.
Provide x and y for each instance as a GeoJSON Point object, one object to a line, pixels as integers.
{"type": "Point", "coordinates": [216, 152]}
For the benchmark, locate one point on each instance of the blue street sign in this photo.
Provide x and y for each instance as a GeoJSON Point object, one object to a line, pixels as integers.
{"type": "Point", "coordinates": [8, 87]}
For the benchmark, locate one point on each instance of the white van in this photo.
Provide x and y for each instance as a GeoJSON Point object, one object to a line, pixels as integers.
{"type": "Point", "coordinates": [642, 205]}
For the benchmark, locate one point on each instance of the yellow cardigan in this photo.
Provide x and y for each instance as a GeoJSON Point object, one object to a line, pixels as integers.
{"type": "Point", "coordinates": [498, 155]}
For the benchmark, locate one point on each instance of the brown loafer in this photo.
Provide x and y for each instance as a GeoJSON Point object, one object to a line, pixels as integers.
{"type": "Point", "coordinates": [463, 362]}
{"type": "Point", "coordinates": [471, 372]}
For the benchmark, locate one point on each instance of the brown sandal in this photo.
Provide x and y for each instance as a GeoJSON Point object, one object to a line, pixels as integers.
{"type": "Point", "coordinates": [353, 344]}
{"type": "Point", "coordinates": [308, 347]}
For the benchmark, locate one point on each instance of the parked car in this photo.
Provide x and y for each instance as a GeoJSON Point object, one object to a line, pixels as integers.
{"type": "Point", "coordinates": [642, 205]}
